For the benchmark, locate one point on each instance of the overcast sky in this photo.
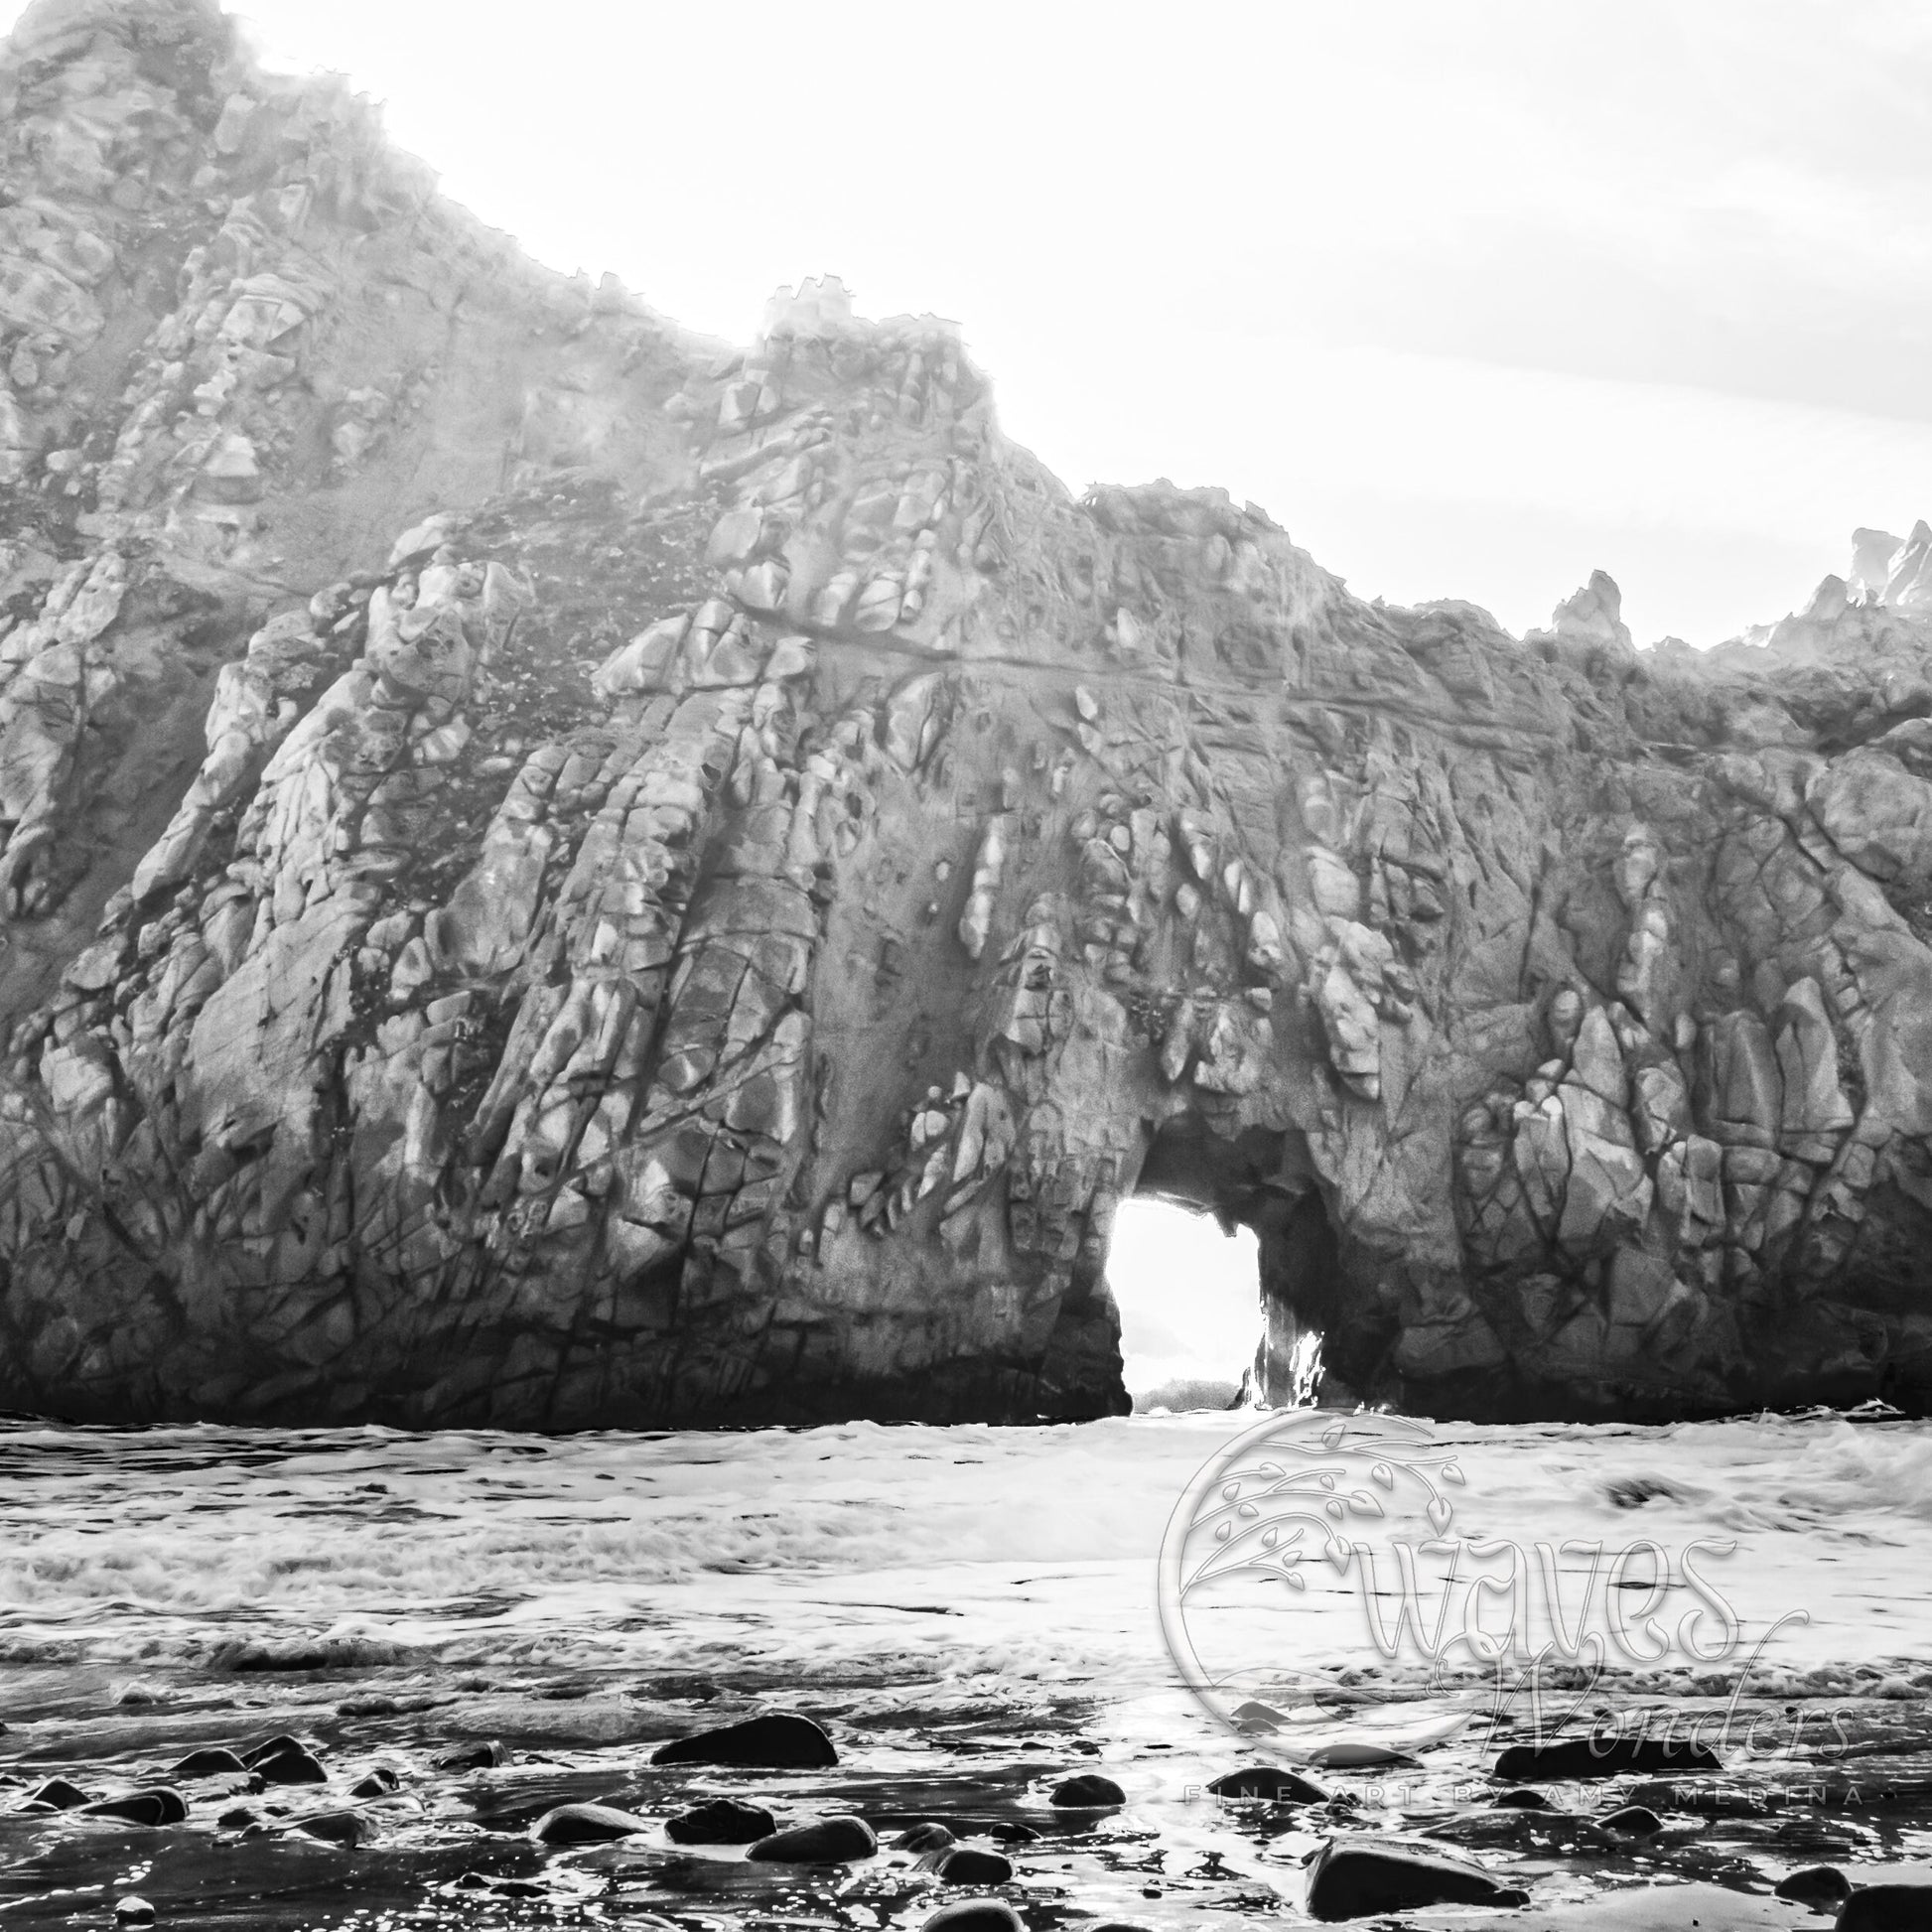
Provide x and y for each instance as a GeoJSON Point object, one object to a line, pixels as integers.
{"type": "Point", "coordinates": [1472, 296]}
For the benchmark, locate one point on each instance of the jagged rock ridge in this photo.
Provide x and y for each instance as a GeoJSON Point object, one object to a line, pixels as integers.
{"type": "Point", "coordinates": [710, 920]}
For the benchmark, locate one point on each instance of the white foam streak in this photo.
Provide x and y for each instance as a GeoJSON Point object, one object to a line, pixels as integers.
{"type": "Point", "coordinates": [856, 1549]}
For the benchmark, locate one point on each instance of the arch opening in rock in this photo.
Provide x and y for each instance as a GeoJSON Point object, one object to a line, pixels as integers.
{"type": "Point", "coordinates": [1181, 1282]}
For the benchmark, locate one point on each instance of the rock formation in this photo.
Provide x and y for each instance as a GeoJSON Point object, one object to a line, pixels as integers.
{"type": "Point", "coordinates": [560, 874]}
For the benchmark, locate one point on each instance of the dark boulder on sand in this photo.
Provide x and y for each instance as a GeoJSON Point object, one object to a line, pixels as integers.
{"type": "Point", "coordinates": [1603, 1757]}
{"type": "Point", "coordinates": [973, 1915]}
{"type": "Point", "coordinates": [721, 1821]}
{"type": "Point", "coordinates": [1886, 1908]}
{"type": "Point", "coordinates": [1087, 1792]}
{"type": "Point", "coordinates": [1347, 1881]}
{"type": "Point", "coordinates": [349, 1828]}
{"type": "Point", "coordinates": [961, 1865]}
{"type": "Point", "coordinates": [1270, 1782]}
{"type": "Point", "coordinates": [159, 1806]}
{"type": "Point", "coordinates": [928, 1837]}
{"type": "Point", "coordinates": [56, 1794]}
{"type": "Point", "coordinates": [777, 1740]}
{"type": "Point", "coordinates": [587, 1825]}
{"type": "Point", "coordinates": [1631, 1820]}
{"type": "Point", "coordinates": [839, 1839]}
{"type": "Point", "coordinates": [1521, 1799]}
{"type": "Point", "coordinates": [1815, 1884]}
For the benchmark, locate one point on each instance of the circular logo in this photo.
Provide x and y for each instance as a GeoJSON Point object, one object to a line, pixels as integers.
{"type": "Point", "coordinates": [1331, 1519]}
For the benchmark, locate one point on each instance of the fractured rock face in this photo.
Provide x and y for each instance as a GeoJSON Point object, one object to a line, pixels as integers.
{"type": "Point", "coordinates": [558, 873]}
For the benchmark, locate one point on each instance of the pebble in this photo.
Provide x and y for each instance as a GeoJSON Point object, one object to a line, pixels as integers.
{"type": "Point", "coordinates": [1886, 1908]}
{"type": "Point", "coordinates": [1359, 1757]}
{"type": "Point", "coordinates": [779, 1739]}
{"type": "Point", "coordinates": [721, 1821]}
{"type": "Point", "coordinates": [838, 1840]}
{"type": "Point", "coordinates": [929, 1836]}
{"type": "Point", "coordinates": [1815, 1884]}
{"type": "Point", "coordinates": [292, 1766]}
{"type": "Point", "coordinates": [1089, 1791]}
{"type": "Point", "coordinates": [257, 1754]}
{"type": "Point", "coordinates": [1603, 1757]}
{"type": "Point", "coordinates": [338, 1826]}
{"type": "Point", "coordinates": [587, 1825]}
{"type": "Point", "coordinates": [1348, 1880]}
{"type": "Point", "coordinates": [133, 1911]}
{"type": "Point", "coordinates": [961, 1865]}
{"type": "Point", "coordinates": [160, 1806]}
{"type": "Point", "coordinates": [207, 1764]}
{"type": "Point", "coordinates": [1266, 1781]}
{"type": "Point", "coordinates": [973, 1915]}
{"type": "Point", "coordinates": [378, 1784]}
{"type": "Point", "coordinates": [56, 1794]}
{"type": "Point", "coordinates": [1631, 1820]}
{"type": "Point", "coordinates": [1521, 1799]}
{"type": "Point", "coordinates": [482, 1755]}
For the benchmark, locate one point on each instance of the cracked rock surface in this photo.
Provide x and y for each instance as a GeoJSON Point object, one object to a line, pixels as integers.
{"type": "Point", "coordinates": [560, 874]}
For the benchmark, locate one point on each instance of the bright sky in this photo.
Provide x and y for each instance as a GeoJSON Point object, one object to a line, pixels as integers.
{"type": "Point", "coordinates": [1473, 296]}
{"type": "Point", "coordinates": [1190, 1296]}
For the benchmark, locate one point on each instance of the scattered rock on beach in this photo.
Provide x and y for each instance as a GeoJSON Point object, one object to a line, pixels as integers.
{"type": "Point", "coordinates": [776, 1739]}
{"type": "Point", "coordinates": [973, 1915]}
{"type": "Point", "coordinates": [1603, 1757]}
{"type": "Point", "coordinates": [297, 1766]}
{"type": "Point", "coordinates": [56, 1794]}
{"type": "Point", "coordinates": [961, 1865]}
{"type": "Point", "coordinates": [482, 1755]}
{"type": "Point", "coordinates": [587, 1825]}
{"type": "Point", "coordinates": [377, 1782]}
{"type": "Point", "coordinates": [1089, 1791]}
{"type": "Point", "coordinates": [721, 1821]}
{"type": "Point", "coordinates": [927, 1837]}
{"type": "Point", "coordinates": [1270, 1782]}
{"type": "Point", "coordinates": [159, 1806]}
{"type": "Point", "coordinates": [1886, 1908]}
{"type": "Point", "coordinates": [1520, 1799]}
{"type": "Point", "coordinates": [838, 1840]}
{"type": "Point", "coordinates": [1347, 1881]}
{"type": "Point", "coordinates": [207, 1764]}
{"type": "Point", "coordinates": [338, 1826]}
{"type": "Point", "coordinates": [1631, 1820]}
{"type": "Point", "coordinates": [1358, 1757]}
{"type": "Point", "coordinates": [133, 1911]}
{"type": "Point", "coordinates": [1815, 1884]}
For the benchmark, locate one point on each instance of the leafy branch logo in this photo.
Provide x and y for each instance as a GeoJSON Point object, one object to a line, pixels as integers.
{"type": "Point", "coordinates": [1286, 1489]}
{"type": "Point", "coordinates": [1350, 1523]}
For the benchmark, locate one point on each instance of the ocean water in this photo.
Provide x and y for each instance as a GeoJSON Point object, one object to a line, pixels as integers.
{"type": "Point", "coordinates": [973, 1613]}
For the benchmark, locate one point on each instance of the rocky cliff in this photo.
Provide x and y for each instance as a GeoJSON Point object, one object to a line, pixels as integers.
{"type": "Point", "coordinates": [560, 874]}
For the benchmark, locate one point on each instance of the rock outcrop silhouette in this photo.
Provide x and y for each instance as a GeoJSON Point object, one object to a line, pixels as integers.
{"type": "Point", "coordinates": [560, 874]}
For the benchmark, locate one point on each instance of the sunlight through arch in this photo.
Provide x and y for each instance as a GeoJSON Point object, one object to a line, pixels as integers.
{"type": "Point", "coordinates": [1190, 1302]}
